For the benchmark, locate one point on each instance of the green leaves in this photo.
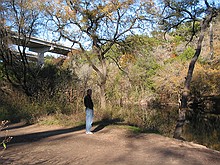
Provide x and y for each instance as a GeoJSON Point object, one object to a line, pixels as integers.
{"type": "Point", "coordinates": [4, 145]}
{"type": "Point", "coordinates": [6, 140]}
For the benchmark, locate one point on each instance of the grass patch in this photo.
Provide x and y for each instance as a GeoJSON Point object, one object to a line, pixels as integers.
{"type": "Point", "coordinates": [63, 120]}
{"type": "Point", "coordinates": [134, 129]}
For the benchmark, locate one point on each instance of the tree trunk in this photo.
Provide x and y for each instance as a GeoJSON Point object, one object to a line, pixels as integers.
{"type": "Point", "coordinates": [102, 84]}
{"type": "Point", "coordinates": [102, 73]}
{"type": "Point", "coordinates": [211, 41]}
{"type": "Point", "coordinates": [102, 96]}
{"type": "Point", "coordinates": [184, 99]}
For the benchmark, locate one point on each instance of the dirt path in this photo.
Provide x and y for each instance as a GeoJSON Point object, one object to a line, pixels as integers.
{"type": "Point", "coordinates": [36, 145]}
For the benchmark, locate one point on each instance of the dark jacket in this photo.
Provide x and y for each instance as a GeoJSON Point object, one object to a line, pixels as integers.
{"type": "Point", "coordinates": [88, 102]}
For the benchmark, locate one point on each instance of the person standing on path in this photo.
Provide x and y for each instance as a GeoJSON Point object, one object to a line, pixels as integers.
{"type": "Point", "coordinates": [89, 111]}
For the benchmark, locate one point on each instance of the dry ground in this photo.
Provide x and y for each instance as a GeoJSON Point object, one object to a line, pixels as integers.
{"type": "Point", "coordinates": [52, 145]}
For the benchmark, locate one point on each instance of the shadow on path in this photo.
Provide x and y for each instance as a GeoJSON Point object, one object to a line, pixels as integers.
{"type": "Point", "coordinates": [102, 124]}
{"type": "Point", "coordinates": [15, 125]}
{"type": "Point", "coordinates": [32, 137]}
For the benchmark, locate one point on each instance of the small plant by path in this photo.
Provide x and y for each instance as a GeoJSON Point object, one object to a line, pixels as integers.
{"type": "Point", "coordinates": [6, 138]}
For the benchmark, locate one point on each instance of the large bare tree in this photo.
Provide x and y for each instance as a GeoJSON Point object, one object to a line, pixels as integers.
{"type": "Point", "coordinates": [96, 25]}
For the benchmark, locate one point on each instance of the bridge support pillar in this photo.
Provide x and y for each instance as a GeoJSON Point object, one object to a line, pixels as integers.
{"type": "Point", "coordinates": [40, 59]}
{"type": "Point", "coordinates": [41, 52]}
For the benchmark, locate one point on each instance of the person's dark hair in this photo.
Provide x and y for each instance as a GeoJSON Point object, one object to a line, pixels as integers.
{"type": "Point", "coordinates": [89, 91]}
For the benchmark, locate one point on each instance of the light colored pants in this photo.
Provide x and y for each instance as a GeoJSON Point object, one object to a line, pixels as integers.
{"type": "Point", "coordinates": [89, 119]}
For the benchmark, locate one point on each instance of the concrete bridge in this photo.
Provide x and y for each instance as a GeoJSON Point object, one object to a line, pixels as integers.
{"type": "Point", "coordinates": [41, 47]}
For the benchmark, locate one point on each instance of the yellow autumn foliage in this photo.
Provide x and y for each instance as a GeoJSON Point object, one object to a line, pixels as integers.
{"type": "Point", "coordinates": [206, 80]}
{"type": "Point", "coordinates": [126, 59]}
